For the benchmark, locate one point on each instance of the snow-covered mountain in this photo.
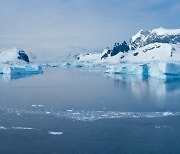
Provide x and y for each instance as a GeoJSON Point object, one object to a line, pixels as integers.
{"type": "Point", "coordinates": [159, 35]}
{"type": "Point", "coordinates": [146, 46]}
{"type": "Point", "coordinates": [148, 52]}
{"type": "Point", "coordinates": [69, 53]}
{"type": "Point", "coordinates": [124, 47]}
{"type": "Point", "coordinates": [154, 52]}
{"type": "Point", "coordinates": [151, 52]}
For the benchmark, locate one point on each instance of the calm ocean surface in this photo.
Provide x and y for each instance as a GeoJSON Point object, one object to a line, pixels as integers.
{"type": "Point", "coordinates": [77, 110]}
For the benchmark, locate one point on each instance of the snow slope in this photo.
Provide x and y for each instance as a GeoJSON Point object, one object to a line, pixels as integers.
{"type": "Point", "coordinates": [154, 52]}
{"type": "Point", "coordinates": [15, 55]}
{"type": "Point", "coordinates": [66, 54]}
{"type": "Point", "coordinates": [148, 53]}
{"type": "Point", "coordinates": [163, 31]}
{"type": "Point", "coordinates": [159, 35]}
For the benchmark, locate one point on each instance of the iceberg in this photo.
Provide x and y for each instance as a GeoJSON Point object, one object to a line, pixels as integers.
{"type": "Point", "coordinates": [16, 62]}
{"type": "Point", "coordinates": [20, 69]}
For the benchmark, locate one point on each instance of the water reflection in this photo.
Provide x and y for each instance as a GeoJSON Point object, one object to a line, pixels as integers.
{"type": "Point", "coordinates": [12, 77]}
{"type": "Point", "coordinates": [142, 85]}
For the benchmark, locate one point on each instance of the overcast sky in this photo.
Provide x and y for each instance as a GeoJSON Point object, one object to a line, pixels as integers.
{"type": "Point", "coordinates": [41, 24]}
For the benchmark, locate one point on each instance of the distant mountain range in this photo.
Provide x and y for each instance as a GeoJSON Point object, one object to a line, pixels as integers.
{"type": "Point", "coordinates": [156, 44]}
{"type": "Point", "coordinates": [154, 53]}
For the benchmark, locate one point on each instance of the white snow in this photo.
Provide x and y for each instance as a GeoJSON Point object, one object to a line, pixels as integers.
{"type": "Point", "coordinates": [163, 31]}
{"type": "Point", "coordinates": [159, 31]}
{"type": "Point", "coordinates": [139, 34]}
{"type": "Point", "coordinates": [154, 52]}
{"type": "Point", "coordinates": [96, 59]}
{"type": "Point", "coordinates": [148, 53]}
{"type": "Point", "coordinates": [11, 56]}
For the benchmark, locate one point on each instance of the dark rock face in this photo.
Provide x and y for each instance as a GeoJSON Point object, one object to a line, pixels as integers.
{"type": "Point", "coordinates": [136, 53]}
{"type": "Point", "coordinates": [124, 47]}
{"type": "Point", "coordinates": [106, 54]}
{"type": "Point", "coordinates": [147, 37]}
{"type": "Point", "coordinates": [23, 56]}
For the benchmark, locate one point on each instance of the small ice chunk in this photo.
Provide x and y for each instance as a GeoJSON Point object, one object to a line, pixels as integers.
{"type": "Point", "coordinates": [70, 110]}
{"type": "Point", "coordinates": [55, 133]}
{"type": "Point", "coordinates": [23, 128]}
{"type": "Point", "coordinates": [2, 127]}
{"type": "Point", "coordinates": [47, 112]}
{"type": "Point", "coordinates": [159, 127]}
{"type": "Point", "coordinates": [37, 105]}
{"type": "Point", "coordinates": [168, 114]}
